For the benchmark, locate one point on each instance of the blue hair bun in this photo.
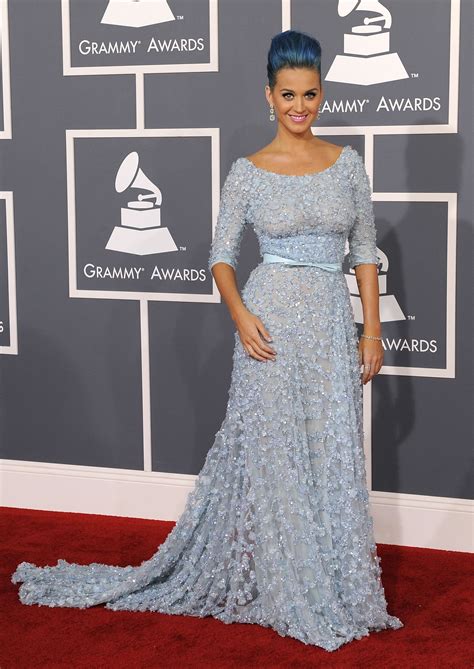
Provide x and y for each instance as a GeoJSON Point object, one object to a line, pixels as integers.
{"type": "Point", "coordinates": [292, 48]}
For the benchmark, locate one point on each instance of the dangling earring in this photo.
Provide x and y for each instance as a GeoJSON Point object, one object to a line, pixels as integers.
{"type": "Point", "coordinates": [317, 115]}
{"type": "Point", "coordinates": [272, 113]}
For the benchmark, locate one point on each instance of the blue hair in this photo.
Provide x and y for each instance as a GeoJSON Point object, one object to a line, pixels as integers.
{"type": "Point", "coordinates": [292, 48]}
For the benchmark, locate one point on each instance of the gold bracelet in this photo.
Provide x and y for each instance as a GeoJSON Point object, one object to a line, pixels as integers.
{"type": "Point", "coordinates": [371, 337]}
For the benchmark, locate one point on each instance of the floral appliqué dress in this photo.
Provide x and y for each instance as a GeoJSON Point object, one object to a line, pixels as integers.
{"type": "Point", "coordinates": [277, 530]}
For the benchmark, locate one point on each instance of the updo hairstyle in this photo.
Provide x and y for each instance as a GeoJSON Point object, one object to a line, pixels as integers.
{"type": "Point", "coordinates": [292, 48]}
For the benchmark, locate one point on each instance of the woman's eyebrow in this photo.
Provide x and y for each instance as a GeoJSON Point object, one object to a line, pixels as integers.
{"type": "Point", "coordinates": [291, 91]}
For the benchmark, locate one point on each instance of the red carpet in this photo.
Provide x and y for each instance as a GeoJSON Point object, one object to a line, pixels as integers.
{"type": "Point", "coordinates": [431, 591]}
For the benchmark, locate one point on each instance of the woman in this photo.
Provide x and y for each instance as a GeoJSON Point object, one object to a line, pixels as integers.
{"type": "Point", "coordinates": [277, 530]}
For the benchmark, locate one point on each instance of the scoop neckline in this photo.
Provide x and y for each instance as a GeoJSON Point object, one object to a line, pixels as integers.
{"type": "Point", "coordinates": [299, 176]}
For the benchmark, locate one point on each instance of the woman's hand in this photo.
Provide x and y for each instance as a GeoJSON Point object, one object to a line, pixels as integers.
{"type": "Point", "coordinates": [253, 333]}
{"type": "Point", "coordinates": [371, 356]}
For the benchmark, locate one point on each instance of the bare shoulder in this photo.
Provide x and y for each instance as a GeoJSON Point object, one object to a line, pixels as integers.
{"type": "Point", "coordinates": [328, 149]}
{"type": "Point", "coordinates": [263, 157]}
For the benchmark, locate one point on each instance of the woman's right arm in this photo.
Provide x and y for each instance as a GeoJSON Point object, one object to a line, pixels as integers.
{"type": "Point", "coordinates": [249, 326]}
{"type": "Point", "coordinates": [223, 257]}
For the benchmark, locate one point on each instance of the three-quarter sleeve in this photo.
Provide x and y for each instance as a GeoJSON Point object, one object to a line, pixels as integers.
{"type": "Point", "coordinates": [362, 234]}
{"type": "Point", "coordinates": [225, 246]}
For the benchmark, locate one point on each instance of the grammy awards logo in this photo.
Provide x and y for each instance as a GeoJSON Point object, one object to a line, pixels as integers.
{"type": "Point", "coordinates": [137, 13]}
{"type": "Point", "coordinates": [390, 310]}
{"type": "Point", "coordinates": [140, 232]}
{"type": "Point", "coordinates": [367, 59]}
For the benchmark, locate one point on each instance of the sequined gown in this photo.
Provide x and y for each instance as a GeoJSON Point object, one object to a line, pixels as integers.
{"type": "Point", "coordinates": [277, 530]}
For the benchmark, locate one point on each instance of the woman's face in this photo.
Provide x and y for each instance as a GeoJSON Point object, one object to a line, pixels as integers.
{"type": "Point", "coordinates": [296, 97]}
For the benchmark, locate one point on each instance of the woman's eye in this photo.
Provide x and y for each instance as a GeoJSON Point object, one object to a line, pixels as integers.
{"type": "Point", "coordinates": [310, 95]}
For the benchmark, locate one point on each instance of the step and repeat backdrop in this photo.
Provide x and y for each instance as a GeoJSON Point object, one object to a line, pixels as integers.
{"type": "Point", "coordinates": [119, 120]}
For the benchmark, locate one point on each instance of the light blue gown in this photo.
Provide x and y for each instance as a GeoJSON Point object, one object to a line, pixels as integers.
{"type": "Point", "coordinates": [277, 530]}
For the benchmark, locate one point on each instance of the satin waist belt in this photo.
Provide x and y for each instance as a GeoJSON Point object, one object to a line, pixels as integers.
{"type": "Point", "coordinates": [330, 266]}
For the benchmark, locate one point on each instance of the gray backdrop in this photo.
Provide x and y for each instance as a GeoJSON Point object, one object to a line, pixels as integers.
{"type": "Point", "coordinates": [72, 393]}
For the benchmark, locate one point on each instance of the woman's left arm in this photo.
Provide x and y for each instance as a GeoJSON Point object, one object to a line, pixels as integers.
{"type": "Point", "coordinates": [370, 350]}
{"type": "Point", "coordinates": [363, 258]}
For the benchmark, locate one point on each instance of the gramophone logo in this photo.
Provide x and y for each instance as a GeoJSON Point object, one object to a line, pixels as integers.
{"type": "Point", "coordinates": [390, 310]}
{"type": "Point", "coordinates": [140, 232]}
{"type": "Point", "coordinates": [367, 58]}
{"type": "Point", "coordinates": [137, 13]}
